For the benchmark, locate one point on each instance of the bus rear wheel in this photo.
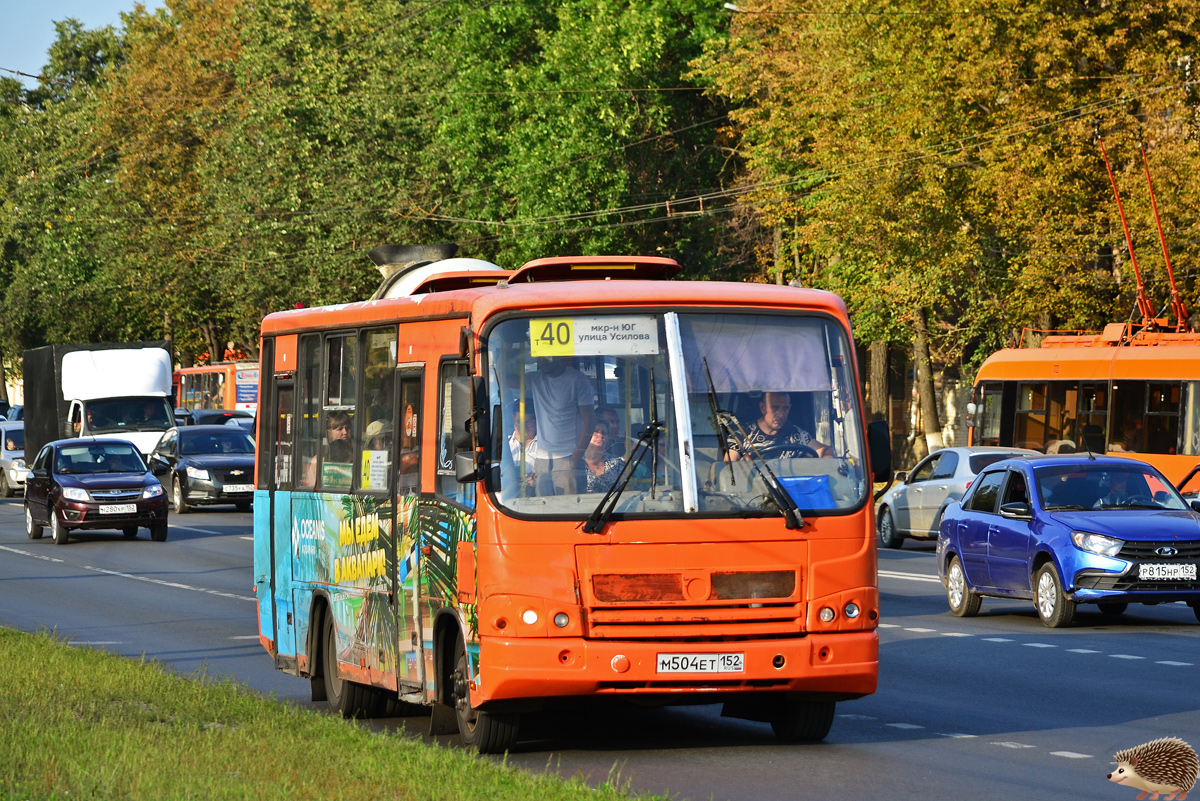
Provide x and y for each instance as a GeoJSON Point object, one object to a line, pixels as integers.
{"type": "Point", "coordinates": [799, 721]}
{"type": "Point", "coordinates": [347, 698]}
{"type": "Point", "coordinates": [487, 732]}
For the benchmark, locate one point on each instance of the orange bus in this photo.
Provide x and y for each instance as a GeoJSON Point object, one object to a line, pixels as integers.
{"type": "Point", "coordinates": [1120, 391]}
{"type": "Point", "coordinates": [225, 385]}
{"type": "Point", "coordinates": [521, 490]}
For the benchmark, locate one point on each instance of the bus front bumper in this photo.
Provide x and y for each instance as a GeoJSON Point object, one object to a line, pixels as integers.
{"type": "Point", "coordinates": [843, 664]}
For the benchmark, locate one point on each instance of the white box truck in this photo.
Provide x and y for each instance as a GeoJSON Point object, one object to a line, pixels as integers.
{"type": "Point", "coordinates": [117, 390]}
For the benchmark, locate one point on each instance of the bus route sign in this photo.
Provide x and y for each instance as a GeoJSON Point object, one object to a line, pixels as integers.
{"type": "Point", "coordinates": [611, 335]}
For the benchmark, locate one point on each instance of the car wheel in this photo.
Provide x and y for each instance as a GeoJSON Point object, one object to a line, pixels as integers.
{"type": "Point", "coordinates": [889, 537]}
{"type": "Point", "coordinates": [1113, 608]}
{"type": "Point", "coordinates": [487, 732]}
{"type": "Point", "coordinates": [964, 601]}
{"type": "Point", "coordinates": [57, 529]}
{"type": "Point", "coordinates": [130, 531]}
{"type": "Point", "coordinates": [32, 529]}
{"type": "Point", "coordinates": [158, 532]}
{"type": "Point", "coordinates": [177, 500]}
{"type": "Point", "coordinates": [803, 721]}
{"type": "Point", "coordinates": [1053, 607]}
{"type": "Point", "coordinates": [5, 488]}
{"type": "Point", "coordinates": [1196, 611]}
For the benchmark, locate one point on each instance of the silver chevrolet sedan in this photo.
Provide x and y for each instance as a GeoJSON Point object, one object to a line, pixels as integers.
{"type": "Point", "coordinates": [914, 506]}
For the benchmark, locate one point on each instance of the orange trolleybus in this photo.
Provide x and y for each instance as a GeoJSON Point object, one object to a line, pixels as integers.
{"type": "Point", "coordinates": [225, 385]}
{"type": "Point", "coordinates": [1125, 390]}
{"type": "Point", "coordinates": [426, 531]}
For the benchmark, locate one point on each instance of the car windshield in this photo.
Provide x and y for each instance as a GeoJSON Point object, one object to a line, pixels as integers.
{"type": "Point", "coordinates": [128, 414]}
{"type": "Point", "coordinates": [689, 412]}
{"type": "Point", "coordinates": [194, 443]}
{"type": "Point", "coordinates": [982, 460]}
{"type": "Point", "coordinates": [14, 439]}
{"type": "Point", "coordinates": [1105, 486]}
{"type": "Point", "coordinates": [98, 457]}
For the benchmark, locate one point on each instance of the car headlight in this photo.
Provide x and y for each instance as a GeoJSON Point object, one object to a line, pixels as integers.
{"type": "Point", "coordinates": [1096, 543]}
{"type": "Point", "coordinates": [197, 473]}
{"type": "Point", "coordinates": [18, 464]}
{"type": "Point", "coordinates": [152, 491]}
{"type": "Point", "coordinates": [75, 494]}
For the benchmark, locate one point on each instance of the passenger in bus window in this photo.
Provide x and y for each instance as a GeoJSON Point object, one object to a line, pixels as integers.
{"type": "Point", "coordinates": [602, 465]}
{"type": "Point", "coordinates": [337, 448]}
{"type": "Point", "coordinates": [528, 438]}
{"type": "Point", "coordinates": [607, 416]}
{"type": "Point", "coordinates": [773, 436]}
{"type": "Point", "coordinates": [565, 421]}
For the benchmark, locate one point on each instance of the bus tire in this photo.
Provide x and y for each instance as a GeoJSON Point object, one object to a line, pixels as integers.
{"type": "Point", "coordinates": [889, 536]}
{"type": "Point", "coordinates": [800, 721]}
{"type": "Point", "coordinates": [487, 732]}
{"type": "Point", "coordinates": [344, 697]}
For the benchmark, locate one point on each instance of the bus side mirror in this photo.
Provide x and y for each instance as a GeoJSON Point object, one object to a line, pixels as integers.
{"type": "Point", "coordinates": [466, 470]}
{"type": "Point", "coordinates": [879, 448]}
{"type": "Point", "coordinates": [468, 420]}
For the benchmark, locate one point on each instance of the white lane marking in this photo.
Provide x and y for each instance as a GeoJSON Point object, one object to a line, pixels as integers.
{"type": "Point", "coordinates": [1125, 656]}
{"type": "Point", "coordinates": [27, 553]}
{"type": "Point", "coordinates": [889, 625]}
{"type": "Point", "coordinates": [856, 717]}
{"type": "Point", "coordinates": [956, 735]}
{"type": "Point", "coordinates": [1038, 645]}
{"type": "Point", "coordinates": [920, 631]}
{"type": "Point", "coordinates": [996, 639]}
{"type": "Point", "coordinates": [1015, 745]}
{"type": "Point", "coordinates": [172, 584]}
{"type": "Point", "coordinates": [1070, 755]}
{"type": "Point", "coordinates": [246, 538]}
{"type": "Point", "coordinates": [909, 576]}
{"type": "Point", "coordinates": [1081, 651]}
{"type": "Point", "coordinates": [245, 637]}
{"type": "Point", "coordinates": [904, 726]}
{"type": "Point", "coordinates": [956, 634]}
{"type": "Point", "coordinates": [193, 528]}
{"type": "Point", "coordinates": [1176, 664]}
{"type": "Point", "coordinates": [96, 642]}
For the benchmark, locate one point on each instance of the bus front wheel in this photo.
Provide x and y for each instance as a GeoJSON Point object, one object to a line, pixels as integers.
{"type": "Point", "coordinates": [798, 721]}
{"type": "Point", "coordinates": [487, 732]}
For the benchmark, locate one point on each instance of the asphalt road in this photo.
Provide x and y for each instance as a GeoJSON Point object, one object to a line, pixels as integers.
{"type": "Point", "coordinates": [994, 707]}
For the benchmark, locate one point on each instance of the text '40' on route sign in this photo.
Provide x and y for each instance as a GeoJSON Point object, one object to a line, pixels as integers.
{"type": "Point", "coordinates": [626, 335]}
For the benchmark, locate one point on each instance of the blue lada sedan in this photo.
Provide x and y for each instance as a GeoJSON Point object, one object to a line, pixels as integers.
{"type": "Point", "coordinates": [1068, 530]}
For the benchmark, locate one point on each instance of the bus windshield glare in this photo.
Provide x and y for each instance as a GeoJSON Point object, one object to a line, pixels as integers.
{"type": "Point", "coordinates": [679, 412]}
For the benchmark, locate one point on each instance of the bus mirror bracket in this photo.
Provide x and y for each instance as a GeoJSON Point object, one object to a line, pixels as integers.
{"type": "Point", "coordinates": [466, 470]}
{"type": "Point", "coordinates": [879, 447]}
{"type": "Point", "coordinates": [469, 421]}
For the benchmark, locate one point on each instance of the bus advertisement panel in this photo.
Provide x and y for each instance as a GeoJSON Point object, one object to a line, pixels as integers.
{"type": "Point", "coordinates": [491, 500]}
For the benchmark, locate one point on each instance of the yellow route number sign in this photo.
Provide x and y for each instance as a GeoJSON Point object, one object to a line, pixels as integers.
{"type": "Point", "coordinates": [608, 335]}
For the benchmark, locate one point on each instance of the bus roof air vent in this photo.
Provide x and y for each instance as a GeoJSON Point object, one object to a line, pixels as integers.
{"type": "Point", "coordinates": [596, 268]}
{"type": "Point", "coordinates": [419, 269]}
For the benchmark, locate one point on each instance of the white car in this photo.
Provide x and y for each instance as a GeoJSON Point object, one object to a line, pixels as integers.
{"type": "Point", "coordinates": [914, 506]}
{"type": "Point", "coordinates": [12, 459]}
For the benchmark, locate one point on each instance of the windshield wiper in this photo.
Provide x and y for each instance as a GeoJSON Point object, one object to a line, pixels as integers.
{"type": "Point", "coordinates": [1066, 507]}
{"type": "Point", "coordinates": [725, 422]}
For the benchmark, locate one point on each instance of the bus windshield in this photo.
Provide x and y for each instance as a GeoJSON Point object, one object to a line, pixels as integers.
{"type": "Point", "coordinates": [678, 412]}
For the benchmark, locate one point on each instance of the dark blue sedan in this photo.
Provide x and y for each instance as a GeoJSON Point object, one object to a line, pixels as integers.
{"type": "Point", "coordinates": [1066, 530]}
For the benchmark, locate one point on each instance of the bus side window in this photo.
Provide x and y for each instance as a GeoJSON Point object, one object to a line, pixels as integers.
{"type": "Point", "coordinates": [341, 395]}
{"type": "Point", "coordinates": [447, 484]}
{"type": "Point", "coordinates": [379, 382]}
{"type": "Point", "coordinates": [409, 471]}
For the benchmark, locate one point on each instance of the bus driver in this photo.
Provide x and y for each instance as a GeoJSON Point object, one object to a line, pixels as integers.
{"type": "Point", "coordinates": [773, 436]}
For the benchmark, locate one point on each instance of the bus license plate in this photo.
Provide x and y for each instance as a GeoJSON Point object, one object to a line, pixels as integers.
{"type": "Point", "coordinates": [700, 663]}
{"type": "Point", "coordinates": [1160, 572]}
{"type": "Point", "coordinates": [118, 508]}
{"type": "Point", "coordinates": [239, 488]}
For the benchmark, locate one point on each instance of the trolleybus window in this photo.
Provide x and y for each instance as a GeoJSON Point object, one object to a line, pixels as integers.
{"type": "Point", "coordinates": [338, 446]}
{"type": "Point", "coordinates": [308, 434]}
{"type": "Point", "coordinates": [447, 484]}
{"type": "Point", "coordinates": [379, 381]}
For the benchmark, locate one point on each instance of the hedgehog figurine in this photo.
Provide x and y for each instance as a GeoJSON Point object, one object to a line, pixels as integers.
{"type": "Point", "coordinates": [1166, 766]}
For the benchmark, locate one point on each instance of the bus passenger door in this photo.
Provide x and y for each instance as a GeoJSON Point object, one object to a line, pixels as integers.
{"type": "Point", "coordinates": [407, 458]}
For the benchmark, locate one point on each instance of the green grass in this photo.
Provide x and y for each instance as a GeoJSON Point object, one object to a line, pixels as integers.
{"type": "Point", "coordinates": [84, 724]}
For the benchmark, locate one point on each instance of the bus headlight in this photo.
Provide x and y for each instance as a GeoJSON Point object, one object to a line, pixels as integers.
{"type": "Point", "coordinates": [851, 610]}
{"type": "Point", "coordinates": [827, 614]}
{"type": "Point", "coordinates": [530, 617]}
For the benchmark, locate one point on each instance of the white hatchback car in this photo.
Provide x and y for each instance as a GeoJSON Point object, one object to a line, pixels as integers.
{"type": "Point", "coordinates": [914, 506]}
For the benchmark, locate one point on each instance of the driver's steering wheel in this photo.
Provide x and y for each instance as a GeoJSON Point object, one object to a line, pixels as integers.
{"type": "Point", "coordinates": [773, 451]}
{"type": "Point", "coordinates": [1139, 500]}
